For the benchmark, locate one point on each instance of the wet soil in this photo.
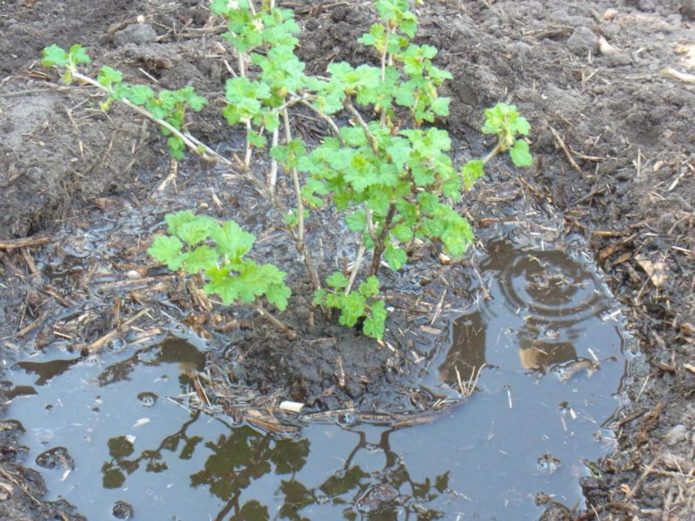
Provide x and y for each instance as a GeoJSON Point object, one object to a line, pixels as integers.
{"type": "Point", "coordinates": [605, 85]}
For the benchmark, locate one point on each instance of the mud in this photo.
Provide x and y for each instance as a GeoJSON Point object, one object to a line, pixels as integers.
{"type": "Point", "coordinates": [613, 140]}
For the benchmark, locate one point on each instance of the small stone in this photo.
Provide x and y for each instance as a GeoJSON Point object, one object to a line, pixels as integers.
{"type": "Point", "coordinates": [139, 34]}
{"type": "Point", "coordinates": [676, 434]}
{"type": "Point", "coordinates": [582, 41]}
{"type": "Point", "coordinates": [521, 49]}
{"type": "Point", "coordinates": [610, 14]}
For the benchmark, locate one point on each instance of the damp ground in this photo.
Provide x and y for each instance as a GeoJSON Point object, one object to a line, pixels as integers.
{"type": "Point", "coordinates": [527, 380]}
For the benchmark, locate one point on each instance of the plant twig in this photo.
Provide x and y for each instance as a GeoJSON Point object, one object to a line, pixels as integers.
{"type": "Point", "coordinates": [192, 143]}
{"type": "Point", "coordinates": [11, 244]}
{"type": "Point", "coordinates": [362, 123]}
{"type": "Point", "coordinates": [291, 334]}
{"type": "Point", "coordinates": [299, 237]}
{"type": "Point", "coordinates": [355, 269]}
{"type": "Point", "coordinates": [273, 176]}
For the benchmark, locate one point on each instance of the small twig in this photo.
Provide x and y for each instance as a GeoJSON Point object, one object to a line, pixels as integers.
{"type": "Point", "coordinates": [362, 123]}
{"type": "Point", "coordinates": [324, 117]}
{"type": "Point", "coordinates": [275, 321]}
{"type": "Point", "coordinates": [355, 269]}
{"type": "Point", "coordinates": [566, 150]}
{"type": "Point", "coordinates": [11, 244]}
{"type": "Point", "coordinates": [273, 175]}
{"type": "Point", "coordinates": [101, 342]}
{"type": "Point", "coordinates": [192, 143]}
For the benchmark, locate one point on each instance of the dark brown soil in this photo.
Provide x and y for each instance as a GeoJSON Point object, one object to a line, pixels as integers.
{"type": "Point", "coordinates": [612, 135]}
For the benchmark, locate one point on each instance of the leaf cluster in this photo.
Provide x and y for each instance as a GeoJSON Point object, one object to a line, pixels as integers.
{"type": "Point", "coordinates": [166, 105]}
{"type": "Point", "coordinates": [505, 122]}
{"type": "Point", "coordinates": [199, 244]}
{"type": "Point", "coordinates": [386, 167]}
{"type": "Point", "coordinates": [360, 304]}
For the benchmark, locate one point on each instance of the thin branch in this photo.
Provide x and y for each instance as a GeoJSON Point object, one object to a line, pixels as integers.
{"type": "Point", "coordinates": [326, 118]}
{"type": "Point", "coordinates": [192, 143]}
{"type": "Point", "coordinates": [299, 236]}
{"type": "Point", "coordinates": [362, 123]}
{"type": "Point", "coordinates": [494, 152]}
{"type": "Point", "coordinates": [273, 176]}
{"type": "Point", "coordinates": [355, 269]}
{"type": "Point", "coordinates": [291, 334]}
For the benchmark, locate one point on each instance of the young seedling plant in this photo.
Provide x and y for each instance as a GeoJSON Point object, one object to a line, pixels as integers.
{"type": "Point", "coordinates": [385, 166]}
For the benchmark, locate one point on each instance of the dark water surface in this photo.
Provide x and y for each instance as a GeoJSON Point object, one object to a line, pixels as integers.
{"type": "Point", "coordinates": [546, 345]}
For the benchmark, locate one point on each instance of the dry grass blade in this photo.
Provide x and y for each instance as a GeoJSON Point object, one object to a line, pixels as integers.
{"type": "Point", "coordinates": [467, 388]}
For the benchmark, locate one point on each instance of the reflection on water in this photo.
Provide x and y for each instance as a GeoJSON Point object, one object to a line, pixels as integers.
{"type": "Point", "coordinates": [543, 302]}
{"type": "Point", "coordinates": [129, 448]}
{"type": "Point", "coordinates": [108, 438]}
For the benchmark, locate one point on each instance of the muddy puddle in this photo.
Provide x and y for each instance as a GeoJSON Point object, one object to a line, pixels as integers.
{"type": "Point", "coordinates": [541, 351]}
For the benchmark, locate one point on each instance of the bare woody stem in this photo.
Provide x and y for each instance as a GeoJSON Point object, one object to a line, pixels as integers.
{"type": "Point", "coordinates": [192, 143]}
{"type": "Point", "coordinates": [291, 334]}
{"type": "Point", "coordinates": [206, 152]}
{"type": "Point", "coordinates": [494, 152]}
{"type": "Point", "coordinates": [380, 243]}
{"type": "Point", "coordinates": [362, 123]}
{"type": "Point", "coordinates": [355, 269]}
{"type": "Point", "coordinates": [300, 244]}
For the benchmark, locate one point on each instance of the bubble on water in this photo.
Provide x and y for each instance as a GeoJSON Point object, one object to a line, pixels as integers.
{"type": "Point", "coordinates": [147, 399]}
{"type": "Point", "coordinates": [122, 510]}
{"type": "Point", "coordinates": [548, 464]}
{"type": "Point", "coordinates": [116, 345]}
{"type": "Point", "coordinates": [347, 419]}
{"type": "Point", "coordinates": [552, 286]}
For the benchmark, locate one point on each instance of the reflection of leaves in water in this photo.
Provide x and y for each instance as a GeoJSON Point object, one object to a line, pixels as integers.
{"type": "Point", "coordinates": [383, 495]}
{"type": "Point", "coordinates": [171, 350]}
{"type": "Point", "coordinates": [297, 496]}
{"type": "Point", "coordinates": [120, 447]}
{"type": "Point", "coordinates": [246, 455]}
{"type": "Point", "coordinates": [441, 483]}
{"type": "Point", "coordinates": [112, 478]}
{"type": "Point", "coordinates": [342, 482]}
{"type": "Point", "coordinates": [251, 511]}
{"type": "Point", "coordinates": [289, 456]}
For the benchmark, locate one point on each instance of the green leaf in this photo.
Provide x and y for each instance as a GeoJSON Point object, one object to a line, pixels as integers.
{"type": "Point", "coordinates": [395, 257]}
{"type": "Point", "coordinates": [370, 287]}
{"type": "Point", "coordinates": [520, 154]}
{"type": "Point", "coordinates": [472, 171]}
{"type": "Point", "coordinates": [356, 221]}
{"type": "Point", "coordinates": [337, 280]}
{"type": "Point", "coordinates": [374, 324]}
{"type": "Point", "coordinates": [256, 140]}
{"type": "Point", "coordinates": [176, 220]}
{"type": "Point", "coordinates": [232, 240]}
{"type": "Point", "coordinates": [200, 259]}
{"type": "Point", "coordinates": [402, 232]}
{"type": "Point", "coordinates": [138, 94]}
{"type": "Point", "coordinates": [78, 55]}
{"type": "Point", "coordinates": [167, 250]}
{"type": "Point", "coordinates": [108, 76]}
{"type": "Point", "coordinates": [54, 56]}
{"type": "Point", "coordinates": [278, 295]}
{"type": "Point", "coordinates": [197, 230]}
{"type": "Point", "coordinates": [440, 106]}
{"type": "Point", "coordinates": [353, 307]}
{"type": "Point", "coordinates": [319, 297]}
{"type": "Point", "coordinates": [221, 284]}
